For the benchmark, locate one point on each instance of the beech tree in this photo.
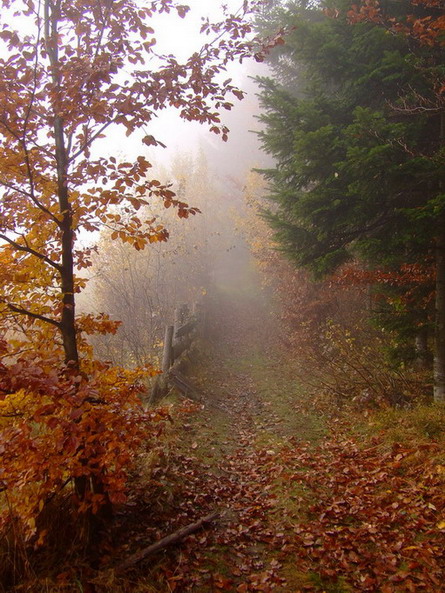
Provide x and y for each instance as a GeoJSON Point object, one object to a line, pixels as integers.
{"type": "Point", "coordinates": [69, 72]}
{"type": "Point", "coordinates": [356, 176]}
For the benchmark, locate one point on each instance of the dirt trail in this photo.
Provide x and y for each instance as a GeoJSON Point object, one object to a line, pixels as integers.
{"type": "Point", "coordinates": [299, 513]}
{"type": "Point", "coordinates": [231, 445]}
{"type": "Point", "coordinates": [229, 455]}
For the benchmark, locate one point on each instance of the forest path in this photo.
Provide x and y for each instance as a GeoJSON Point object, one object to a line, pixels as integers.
{"type": "Point", "coordinates": [298, 513]}
{"type": "Point", "coordinates": [232, 449]}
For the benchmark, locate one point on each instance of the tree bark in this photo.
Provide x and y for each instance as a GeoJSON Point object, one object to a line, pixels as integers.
{"type": "Point", "coordinates": [83, 485]}
{"type": "Point", "coordinates": [421, 345]}
{"type": "Point", "coordinates": [439, 354]}
{"type": "Point", "coordinates": [67, 322]}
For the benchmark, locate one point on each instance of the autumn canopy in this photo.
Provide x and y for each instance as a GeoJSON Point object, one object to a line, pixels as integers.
{"type": "Point", "coordinates": [69, 72]}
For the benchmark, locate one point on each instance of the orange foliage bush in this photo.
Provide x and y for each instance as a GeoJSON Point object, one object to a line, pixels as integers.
{"type": "Point", "coordinates": [58, 426]}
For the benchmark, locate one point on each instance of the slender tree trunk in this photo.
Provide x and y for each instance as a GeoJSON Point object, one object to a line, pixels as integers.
{"type": "Point", "coordinates": [421, 361]}
{"type": "Point", "coordinates": [439, 355]}
{"type": "Point", "coordinates": [68, 320]}
{"type": "Point", "coordinates": [68, 323]}
{"type": "Point", "coordinates": [83, 485]}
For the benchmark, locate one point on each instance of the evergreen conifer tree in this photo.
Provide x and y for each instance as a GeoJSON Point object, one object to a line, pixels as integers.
{"type": "Point", "coordinates": [359, 171]}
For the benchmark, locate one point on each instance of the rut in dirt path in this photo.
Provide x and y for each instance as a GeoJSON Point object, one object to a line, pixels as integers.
{"type": "Point", "coordinates": [234, 445]}
{"type": "Point", "coordinates": [333, 515]}
{"type": "Point", "coordinates": [306, 505]}
{"type": "Point", "coordinates": [248, 364]}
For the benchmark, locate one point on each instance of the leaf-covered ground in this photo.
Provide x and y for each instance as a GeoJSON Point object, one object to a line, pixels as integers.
{"type": "Point", "coordinates": [305, 506]}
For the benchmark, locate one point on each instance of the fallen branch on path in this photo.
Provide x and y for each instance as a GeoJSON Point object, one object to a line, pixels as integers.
{"type": "Point", "coordinates": [166, 541]}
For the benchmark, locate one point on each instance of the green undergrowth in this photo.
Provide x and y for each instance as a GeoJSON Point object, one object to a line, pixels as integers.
{"type": "Point", "coordinates": [423, 422]}
{"type": "Point", "coordinates": [419, 427]}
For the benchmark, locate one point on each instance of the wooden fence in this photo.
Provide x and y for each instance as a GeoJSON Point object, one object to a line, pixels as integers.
{"type": "Point", "coordinates": [178, 339]}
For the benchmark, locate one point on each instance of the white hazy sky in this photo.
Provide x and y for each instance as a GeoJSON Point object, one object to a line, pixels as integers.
{"type": "Point", "coordinates": [181, 37]}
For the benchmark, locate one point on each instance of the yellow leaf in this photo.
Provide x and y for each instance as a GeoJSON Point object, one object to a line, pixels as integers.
{"type": "Point", "coordinates": [441, 525]}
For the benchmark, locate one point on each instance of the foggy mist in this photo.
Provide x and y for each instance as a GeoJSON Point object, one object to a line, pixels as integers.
{"type": "Point", "coordinates": [204, 252]}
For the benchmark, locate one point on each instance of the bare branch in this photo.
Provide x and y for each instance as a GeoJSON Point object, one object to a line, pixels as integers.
{"type": "Point", "coordinates": [31, 183]}
{"type": "Point", "coordinates": [31, 194]}
{"type": "Point", "coordinates": [34, 88]}
{"type": "Point", "coordinates": [90, 140]}
{"type": "Point", "coordinates": [31, 251]}
{"type": "Point", "coordinates": [418, 103]}
{"type": "Point", "coordinates": [22, 311]}
{"type": "Point", "coordinates": [16, 189]}
{"type": "Point", "coordinates": [167, 541]}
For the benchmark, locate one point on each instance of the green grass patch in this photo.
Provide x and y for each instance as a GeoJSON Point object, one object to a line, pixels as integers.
{"type": "Point", "coordinates": [405, 426]}
{"type": "Point", "coordinates": [339, 586]}
{"type": "Point", "coordinates": [281, 394]}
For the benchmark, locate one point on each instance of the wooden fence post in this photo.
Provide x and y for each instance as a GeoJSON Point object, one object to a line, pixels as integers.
{"type": "Point", "coordinates": [198, 314]}
{"type": "Point", "coordinates": [167, 356]}
{"type": "Point", "coordinates": [161, 382]}
{"type": "Point", "coordinates": [177, 339]}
